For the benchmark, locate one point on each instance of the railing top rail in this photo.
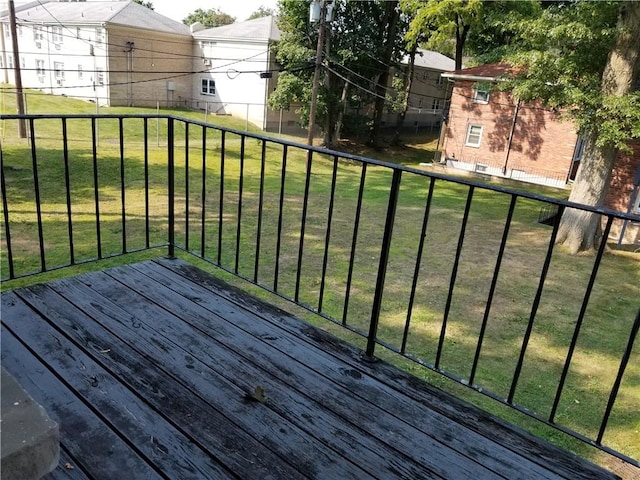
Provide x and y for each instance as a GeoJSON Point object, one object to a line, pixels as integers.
{"type": "Point", "coordinates": [345, 155]}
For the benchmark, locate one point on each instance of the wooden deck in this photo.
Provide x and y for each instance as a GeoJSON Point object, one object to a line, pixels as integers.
{"type": "Point", "coordinates": [151, 371]}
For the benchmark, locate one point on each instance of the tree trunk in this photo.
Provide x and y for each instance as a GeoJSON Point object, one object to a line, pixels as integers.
{"type": "Point", "coordinates": [579, 230]}
{"type": "Point", "coordinates": [343, 110]}
{"type": "Point", "coordinates": [462, 31]}
{"type": "Point", "coordinates": [390, 20]}
{"type": "Point", "coordinates": [407, 83]}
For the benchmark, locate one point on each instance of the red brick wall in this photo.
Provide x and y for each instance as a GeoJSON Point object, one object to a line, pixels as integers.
{"type": "Point", "coordinates": [624, 172]}
{"type": "Point", "coordinates": [541, 142]}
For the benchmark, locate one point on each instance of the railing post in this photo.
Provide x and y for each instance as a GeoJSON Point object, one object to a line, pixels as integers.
{"type": "Point", "coordinates": [382, 267]}
{"type": "Point", "coordinates": [171, 184]}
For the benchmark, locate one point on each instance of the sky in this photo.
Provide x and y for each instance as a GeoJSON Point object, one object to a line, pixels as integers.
{"type": "Point", "coordinates": [179, 9]}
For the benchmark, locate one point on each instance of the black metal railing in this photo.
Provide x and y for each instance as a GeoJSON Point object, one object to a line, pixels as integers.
{"type": "Point", "coordinates": [451, 274]}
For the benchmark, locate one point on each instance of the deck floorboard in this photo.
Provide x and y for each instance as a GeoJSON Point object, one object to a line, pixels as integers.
{"type": "Point", "coordinates": [152, 369]}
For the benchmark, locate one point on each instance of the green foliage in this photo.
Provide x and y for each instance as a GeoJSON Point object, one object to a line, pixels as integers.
{"type": "Point", "coordinates": [355, 45]}
{"type": "Point", "coordinates": [144, 4]}
{"type": "Point", "coordinates": [209, 18]}
{"type": "Point", "coordinates": [560, 59]}
{"type": "Point", "coordinates": [442, 25]}
{"type": "Point", "coordinates": [262, 11]}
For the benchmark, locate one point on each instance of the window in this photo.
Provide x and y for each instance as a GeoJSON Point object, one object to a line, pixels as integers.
{"type": "Point", "coordinates": [80, 73]}
{"type": "Point", "coordinates": [78, 30]}
{"type": "Point", "coordinates": [1, 62]}
{"type": "Point", "coordinates": [57, 35]}
{"type": "Point", "coordinates": [100, 76]}
{"type": "Point", "coordinates": [99, 35]}
{"type": "Point", "coordinates": [481, 94]}
{"type": "Point", "coordinates": [19, 30]}
{"type": "Point", "coordinates": [23, 63]}
{"type": "Point", "coordinates": [436, 104]}
{"type": "Point", "coordinates": [58, 69]}
{"type": "Point", "coordinates": [10, 61]}
{"type": "Point", "coordinates": [38, 36]}
{"type": "Point", "coordinates": [40, 69]}
{"type": "Point", "coordinates": [7, 31]}
{"type": "Point", "coordinates": [474, 135]}
{"type": "Point", "coordinates": [208, 86]}
{"type": "Point", "coordinates": [440, 80]}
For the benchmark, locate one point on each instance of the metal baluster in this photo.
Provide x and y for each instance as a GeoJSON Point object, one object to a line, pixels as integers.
{"type": "Point", "coordinates": [260, 203]}
{"type": "Point", "coordinates": [416, 271]}
{"type": "Point", "coordinates": [382, 266]}
{"type": "Point", "coordinates": [328, 234]}
{"type": "Point", "coordinates": [492, 289]}
{"type": "Point", "coordinates": [96, 186]}
{"type": "Point", "coordinates": [454, 274]}
{"type": "Point", "coordinates": [354, 241]}
{"type": "Point", "coordinates": [240, 189]}
{"type": "Point", "coordinates": [280, 214]}
{"type": "Point", "coordinates": [583, 311]}
{"type": "Point", "coordinates": [303, 223]}
{"type": "Point", "coordinates": [5, 210]}
{"type": "Point", "coordinates": [536, 303]}
{"type": "Point", "coordinates": [67, 184]}
{"type": "Point", "coordinates": [36, 191]}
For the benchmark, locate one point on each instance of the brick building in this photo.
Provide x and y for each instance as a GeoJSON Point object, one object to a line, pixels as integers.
{"type": "Point", "coordinates": [490, 132]}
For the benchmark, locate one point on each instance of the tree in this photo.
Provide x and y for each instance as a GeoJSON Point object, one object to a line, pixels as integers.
{"type": "Point", "coordinates": [209, 18]}
{"type": "Point", "coordinates": [353, 61]}
{"type": "Point", "coordinates": [481, 29]}
{"type": "Point", "coordinates": [583, 60]}
{"type": "Point", "coordinates": [446, 20]}
{"type": "Point", "coordinates": [144, 4]}
{"type": "Point", "coordinates": [262, 11]}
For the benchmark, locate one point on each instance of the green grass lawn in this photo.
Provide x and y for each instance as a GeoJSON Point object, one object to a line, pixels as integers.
{"type": "Point", "coordinates": [613, 305]}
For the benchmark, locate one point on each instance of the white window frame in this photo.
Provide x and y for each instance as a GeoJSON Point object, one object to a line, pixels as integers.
{"type": "Point", "coordinates": [99, 76]}
{"type": "Point", "coordinates": [58, 69]}
{"type": "Point", "coordinates": [100, 36]}
{"type": "Point", "coordinates": [40, 70]}
{"type": "Point", "coordinates": [10, 61]}
{"type": "Point", "coordinates": [436, 104]}
{"type": "Point", "coordinates": [80, 72]}
{"type": "Point", "coordinates": [56, 34]}
{"type": "Point", "coordinates": [471, 136]}
{"type": "Point", "coordinates": [38, 35]}
{"type": "Point", "coordinates": [440, 80]}
{"type": "Point", "coordinates": [480, 96]}
{"type": "Point", "coordinates": [207, 86]}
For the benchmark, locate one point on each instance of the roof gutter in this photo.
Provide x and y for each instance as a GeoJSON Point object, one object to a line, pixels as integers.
{"type": "Point", "coordinates": [473, 78]}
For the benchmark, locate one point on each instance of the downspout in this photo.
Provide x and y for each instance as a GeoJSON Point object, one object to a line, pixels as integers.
{"type": "Point", "coordinates": [513, 128]}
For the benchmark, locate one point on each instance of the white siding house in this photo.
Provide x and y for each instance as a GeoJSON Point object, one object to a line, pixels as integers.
{"type": "Point", "coordinates": [116, 53]}
{"type": "Point", "coordinates": [237, 70]}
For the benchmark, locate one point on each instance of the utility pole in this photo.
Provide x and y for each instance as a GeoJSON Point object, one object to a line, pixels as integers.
{"type": "Point", "coordinates": [22, 126]}
{"type": "Point", "coordinates": [316, 74]}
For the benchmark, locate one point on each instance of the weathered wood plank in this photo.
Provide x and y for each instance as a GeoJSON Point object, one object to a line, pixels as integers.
{"type": "Point", "coordinates": [409, 389]}
{"type": "Point", "coordinates": [164, 446]}
{"type": "Point", "coordinates": [87, 437]}
{"type": "Point", "coordinates": [276, 433]}
{"type": "Point", "coordinates": [370, 413]}
{"type": "Point", "coordinates": [304, 408]}
{"type": "Point", "coordinates": [242, 453]}
{"type": "Point", "coordinates": [67, 469]}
